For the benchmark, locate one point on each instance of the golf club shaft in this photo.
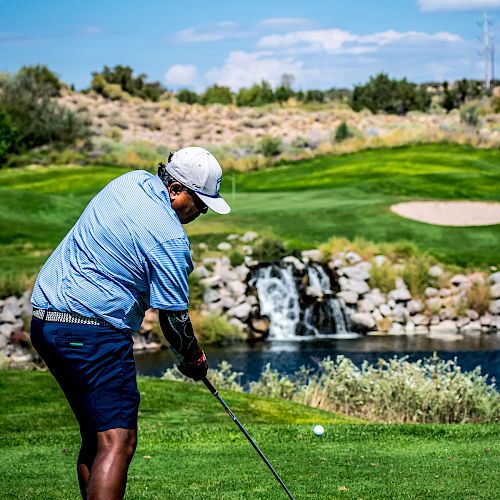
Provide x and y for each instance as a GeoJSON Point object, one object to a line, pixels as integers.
{"type": "Point", "coordinates": [212, 389]}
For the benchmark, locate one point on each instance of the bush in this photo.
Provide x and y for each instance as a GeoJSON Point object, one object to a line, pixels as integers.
{"type": "Point", "coordinates": [217, 95]}
{"type": "Point", "coordinates": [342, 132]}
{"type": "Point", "coordinates": [256, 95]}
{"type": "Point", "coordinates": [470, 116]}
{"type": "Point", "coordinates": [478, 297]}
{"type": "Point", "coordinates": [391, 96]}
{"type": "Point", "coordinates": [270, 146]}
{"type": "Point", "coordinates": [39, 119]}
{"type": "Point", "coordinates": [46, 81]}
{"type": "Point", "coordinates": [416, 276]}
{"type": "Point", "coordinates": [122, 79]}
{"type": "Point", "coordinates": [383, 277]}
{"type": "Point", "coordinates": [9, 137]}
{"type": "Point", "coordinates": [214, 329]}
{"type": "Point", "coordinates": [187, 96]}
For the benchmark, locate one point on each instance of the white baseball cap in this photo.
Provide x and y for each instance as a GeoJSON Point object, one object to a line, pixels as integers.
{"type": "Point", "coordinates": [197, 169]}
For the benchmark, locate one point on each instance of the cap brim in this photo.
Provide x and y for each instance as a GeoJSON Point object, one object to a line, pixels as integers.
{"type": "Point", "coordinates": [218, 204]}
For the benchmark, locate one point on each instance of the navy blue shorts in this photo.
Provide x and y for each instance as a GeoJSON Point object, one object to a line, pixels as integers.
{"type": "Point", "coordinates": [95, 367]}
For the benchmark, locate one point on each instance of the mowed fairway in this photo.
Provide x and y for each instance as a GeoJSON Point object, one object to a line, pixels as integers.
{"type": "Point", "coordinates": [189, 448]}
{"type": "Point", "coordinates": [304, 203]}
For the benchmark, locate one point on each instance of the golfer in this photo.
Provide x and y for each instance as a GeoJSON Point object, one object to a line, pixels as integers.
{"type": "Point", "coordinates": [126, 253]}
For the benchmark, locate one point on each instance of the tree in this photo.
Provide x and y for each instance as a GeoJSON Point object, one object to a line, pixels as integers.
{"type": "Point", "coordinates": [217, 95]}
{"type": "Point", "coordinates": [256, 95]}
{"type": "Point", "coordinates": [187, 96]}
{"type": "Point", "coordinates": [382, 93]}
{"type": "Point", "coordinates": [45, 80]}
{"type": "Point", "coordinates": [9, 137]}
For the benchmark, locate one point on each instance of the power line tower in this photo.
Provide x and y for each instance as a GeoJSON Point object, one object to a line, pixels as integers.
{"type": "Point", "coordinates": [488, 52]}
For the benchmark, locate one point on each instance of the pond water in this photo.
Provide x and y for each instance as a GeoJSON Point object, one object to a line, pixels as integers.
{"type": "Point", "coordinates": [288, 356]}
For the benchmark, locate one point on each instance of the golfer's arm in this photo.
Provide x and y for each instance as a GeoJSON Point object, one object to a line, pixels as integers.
{"type": "Point", "coordinates": [178, 331]}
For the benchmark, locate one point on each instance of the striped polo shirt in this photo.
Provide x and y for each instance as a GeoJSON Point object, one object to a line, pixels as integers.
{"type": "Point", "coordinates": [127, 252]}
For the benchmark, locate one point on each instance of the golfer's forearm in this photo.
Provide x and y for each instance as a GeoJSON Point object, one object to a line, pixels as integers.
{"type": "Point", "coordinates": [178, 331]}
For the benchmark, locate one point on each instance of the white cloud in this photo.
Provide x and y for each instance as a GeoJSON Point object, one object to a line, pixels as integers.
{"type": "Point", "coordinates": [242, 69]}
{"type": "Point", "coordinates": [431, 5]}
{"type": "Point", "coordinates": [182, 75]}
{"type": "Point", "coordinates": [223, 30]}
{"type": "Point", "coordinates": [283, 22]}
{"type": "Point", "coordinates": [337, 41]}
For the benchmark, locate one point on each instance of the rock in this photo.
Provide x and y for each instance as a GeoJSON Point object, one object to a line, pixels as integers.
{"type": "Point", "coordinates": [415, 306]}
{"type": "Point", "coordinates": [224, 246]}
{"type": "Point", "coordinates": [229, 302]}
{"type": "Point", "coordinates": [494, 278]}
{"type": "Point", "coordinates": [353, 257]}
{"type": "Point", "coordinates": [260, 324]}
{"type": "Point", "coordinates": [236, 288]}
{"type": "Point", "coordinates": [410, 328]}
{"type": "Point", "coordinates": [6, 330]}
{"type": "Point", "coordinates": [21, 358]}
{"type": "Point", "coordinates": [12, 304]}
{"type": "Point", "coordinates": [202, 272]}
{"type": "Point", "coordinates": [473, 315]}
{"type": "Point", "coordinates": [376, 296]}
{"type": "Point", "coordinates": [391, 303]}
{"type": "Point", "coordinates": [397, 329]}
{"type": "Point", "coordinates": [252, 300]}
{"type": "Point", "coordinates": [211, 295]}
{"type": "Point", "coordinates": [212, 281]}
{"type": "Point", "coordinates": [335, 263]}
{"type": "Point", "coordinates": [400, 295]}
{"type": "Point", "coordinates": [434, 304]}
{"type": "Point", "coordinates": [248, 237]}
{"type": "Point", "coordinates": [215, 307]}
{"type": "Point", "coordinates": [237, 323]}
{"type": "Point", "coordinates": [486, 320]}
{"type": "Point", "coordinates": [377, 317]}
{"type": "Point", "coordinates": [232, 236]}
{"type": "Point", "coordinates": [495, 306]}
{"type": "Point", "coordinates": [430, 292]}
{"type": "Point", "coordinates": [421, 320]}
{"type": "Point", "coordinates": [3, 341]}
{"type": "Point", "coordinates": [313, 255]}
{"type": "Point", "coordinates": [365, 306]}
{"type": "Point", "coordinates": [421, 330]}
{"type": "Point", "coordinates": [363, 320]}
{"type": "Point", "coordinates": [448, 313]}
{"type": "Point", "coordinates": [348, 297]}
{"type": "Point", "coordinates": [472, 327]}
{"type": "Point", "coordinates": [495, 323]}
{"type": "Point", "coordinates": [400, 314]}
{"type": "Point", "coordinates": [7, 316]}
{"type": "Point", "coordinates": [357, 272]}
{"type": "Point", "coordinates": [461, 322]}
{"type": "Point", "coordinates": [380, 260]}
{"type": "Point", "coordinates": [446, 326]}
{"type": "Point", "coordinates": [139, 342]}
{"type": "Point", "coordinates": [436, 271]}
{"type": "Point", "coordinates": [290, 259]}
{"type": "Point", "coordinates": [385, 310]}
{"type": "Point", "coordinates": [495, 291]}
{"type": "Point", "coordinates": [314, 291]}
{"type": "Point", "coordinates": [241, 311]}
{"type": "Point", "coordinates": [458, 279]}
{"type": "Point", "coordinates": [360, 287]}
{"type": "Point", "coordinates": [444, 292]}
{"type": "Point", "coordinates": [247, 249]}
{"type": "Point", "coordinates": [242, 272]}
{"type": "Point", "coordinates": [151, 315]}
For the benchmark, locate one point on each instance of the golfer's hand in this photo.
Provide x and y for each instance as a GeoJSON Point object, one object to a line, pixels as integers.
{"type": "Point", "coordinates": [195, 369]}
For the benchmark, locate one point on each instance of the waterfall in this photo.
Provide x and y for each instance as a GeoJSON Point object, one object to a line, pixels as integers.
{"type": "Point", "coordinates": [278, 299]}
{"type": "Point", "coordinates": [296, 310]}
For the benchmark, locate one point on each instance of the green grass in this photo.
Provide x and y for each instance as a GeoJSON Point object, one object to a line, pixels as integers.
{"type": "Point", "coordinates": [305, 203]}
{"type": "Point", "coordinates": [197, 452]}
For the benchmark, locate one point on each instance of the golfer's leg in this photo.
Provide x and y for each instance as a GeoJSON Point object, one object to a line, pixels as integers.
{"type": "Point", "coordinates": [108, 477]}
{"type": "Point", "coordinates": [86, 457]}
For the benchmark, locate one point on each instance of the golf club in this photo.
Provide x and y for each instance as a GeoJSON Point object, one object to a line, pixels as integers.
{"type": "Point", "coordinates": [212, 389]}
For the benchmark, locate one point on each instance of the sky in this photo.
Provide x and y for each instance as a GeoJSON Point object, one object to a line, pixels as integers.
{"type": "Point", "coordinates": [194, 44]}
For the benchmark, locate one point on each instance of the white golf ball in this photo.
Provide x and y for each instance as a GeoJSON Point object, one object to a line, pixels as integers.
{"type": "Point", "coordinates": [319, 430]}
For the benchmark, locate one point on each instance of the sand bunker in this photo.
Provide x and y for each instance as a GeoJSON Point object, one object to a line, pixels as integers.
{"type": "Point", "coordinates": [450, 213]}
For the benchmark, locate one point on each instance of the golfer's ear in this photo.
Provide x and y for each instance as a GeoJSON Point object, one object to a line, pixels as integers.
{"type": "Point", "coordinates": [175, 188]}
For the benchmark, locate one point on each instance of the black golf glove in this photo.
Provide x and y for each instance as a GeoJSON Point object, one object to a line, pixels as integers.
{"type": "Point", "coordinates": [195, 368]}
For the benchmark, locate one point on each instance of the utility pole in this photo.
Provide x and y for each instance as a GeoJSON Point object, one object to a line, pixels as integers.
{"type": "Point", "coordinates": [488, 53]}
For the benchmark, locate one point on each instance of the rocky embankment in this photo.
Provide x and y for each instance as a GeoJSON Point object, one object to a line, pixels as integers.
{"type": "Point", "coordinates": [311, 295]}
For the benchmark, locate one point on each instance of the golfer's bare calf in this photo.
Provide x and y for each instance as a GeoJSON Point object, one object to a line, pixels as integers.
{"type": "Point", "coordinates": [103, 463]}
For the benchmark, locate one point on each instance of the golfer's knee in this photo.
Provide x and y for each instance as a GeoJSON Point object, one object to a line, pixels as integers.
{"type": "Point", "coordinates": [118, 442]}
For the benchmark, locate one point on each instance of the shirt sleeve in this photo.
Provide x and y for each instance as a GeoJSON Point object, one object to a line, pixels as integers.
{"type": "Point", "coordinates": [169, 265]}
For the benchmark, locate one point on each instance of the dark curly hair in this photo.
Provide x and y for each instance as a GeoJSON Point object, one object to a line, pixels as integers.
{"type": "Point", "coordinates": [162, 171]}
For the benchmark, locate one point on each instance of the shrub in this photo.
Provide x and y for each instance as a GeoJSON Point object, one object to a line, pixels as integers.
{"type": "Point", "coordinates": [43, 78]}
{"type": "Point", "coordinates": [236, 258]}
{"type": "Point", "coordinates": [470, 116]}
{"type": "Point", "coordinates": [342, 132]}
{"type": "Point", "coordinates": [36, 116]}
{"type": "Point", "coordinates": [269, 249]}
{"type": "Point", "coordinates": [187, 96]}
{"type": "Point", "coordinates": [270, 146]}
{"type": "Point", "coordinates": [9, 137]}
{"type": "Point", "coordinates": [213, 328]}
{"type": "Point", "coordinates": [383, 277]}
{"type": "Point", "coordinates": [478, 297]}
{"type": "Point", "coordinates": [256, 95]}
{"type": "Point", "coordinates": [416, 276]}
{"type": "Point", "coordinates": [217, 95]}
{"type": "Point", "coordinates": [124, 82]}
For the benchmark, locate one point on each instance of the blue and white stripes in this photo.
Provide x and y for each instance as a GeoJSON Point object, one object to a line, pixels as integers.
{"type": "Point", "coordinates": [128, 251]}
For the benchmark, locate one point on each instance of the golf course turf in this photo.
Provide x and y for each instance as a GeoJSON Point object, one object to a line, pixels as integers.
{"type": "Point", "coordinates": [304, 203]}
{"type": "Point", "coordinates": [189, 448]}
